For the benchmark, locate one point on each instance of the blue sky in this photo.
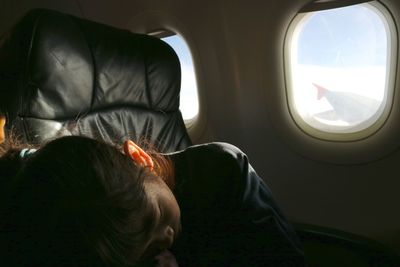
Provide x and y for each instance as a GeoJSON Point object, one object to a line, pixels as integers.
{"type": "Point", "coordinates": [179, 45]}
{"type": "Point", "coordinates": [189, 104]}
{"type": "Point", "coordinates": [349, 36]}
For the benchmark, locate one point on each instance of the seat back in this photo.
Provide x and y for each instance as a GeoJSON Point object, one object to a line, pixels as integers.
{"type": "Point", "coordinates": [62, 75]}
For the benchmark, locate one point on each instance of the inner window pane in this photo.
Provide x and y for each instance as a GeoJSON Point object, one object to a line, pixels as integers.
{"type": "Point", "coordinates": [338, 66]}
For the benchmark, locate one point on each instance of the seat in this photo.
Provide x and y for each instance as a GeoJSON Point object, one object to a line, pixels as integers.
{"type": "Point", "coordinates": [330, 247]}
{"type": "Point", "coordinates": [62, 75]}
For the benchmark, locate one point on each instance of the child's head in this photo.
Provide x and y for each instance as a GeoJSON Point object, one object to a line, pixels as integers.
{"type": "Point", "coordinates": [80, 202]}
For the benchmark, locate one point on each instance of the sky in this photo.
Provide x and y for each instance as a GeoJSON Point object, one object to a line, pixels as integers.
{"type": "Point", "coordinates": [349, 36]}
{"type": "Point", "coordinates": [189, 104]}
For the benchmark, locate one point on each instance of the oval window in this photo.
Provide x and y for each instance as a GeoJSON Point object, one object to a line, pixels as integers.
{"type": "Point", "coordinates": [338, 66]}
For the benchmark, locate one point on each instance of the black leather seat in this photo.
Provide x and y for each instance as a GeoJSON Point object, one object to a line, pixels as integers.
{"type": "Point", "coordinates": [62, 75]}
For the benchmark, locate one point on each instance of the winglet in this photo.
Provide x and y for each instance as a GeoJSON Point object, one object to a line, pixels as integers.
{"type": "Point", "coordinates": [321, 91]}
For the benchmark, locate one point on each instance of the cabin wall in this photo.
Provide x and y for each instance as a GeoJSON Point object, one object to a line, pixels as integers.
{"type": "Point", "coordinates": [238, 56]}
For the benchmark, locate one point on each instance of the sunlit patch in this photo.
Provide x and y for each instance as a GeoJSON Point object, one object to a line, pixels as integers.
{"type": "Point", "coordinates": [189, 103]}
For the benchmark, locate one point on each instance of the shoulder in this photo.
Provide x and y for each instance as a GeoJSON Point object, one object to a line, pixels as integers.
{"type": "Point", "coordinates": [215, 150]}
{"type": "Point", "coordinates": [211, 159]}
{"type": "Point", "coordinates": [215, 168]}
{"type": "Point", "coordinates": [224, 148]}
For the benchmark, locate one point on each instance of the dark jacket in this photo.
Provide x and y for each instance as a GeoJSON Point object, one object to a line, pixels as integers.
{"type": "Point", "coordinates": [229, 217]}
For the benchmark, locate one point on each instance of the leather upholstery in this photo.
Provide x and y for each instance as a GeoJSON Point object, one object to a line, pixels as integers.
{"type": "Point", "coordinates": [62, 75]}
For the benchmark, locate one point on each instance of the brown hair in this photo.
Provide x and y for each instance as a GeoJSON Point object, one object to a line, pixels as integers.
{"type": "Point", "coordinates": [75, 202]}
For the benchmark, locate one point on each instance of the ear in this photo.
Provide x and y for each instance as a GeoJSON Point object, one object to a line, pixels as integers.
{"type": "Point", "coordinates": [2, 124]}
{"type": "Point", "coordinates": [137, 154]}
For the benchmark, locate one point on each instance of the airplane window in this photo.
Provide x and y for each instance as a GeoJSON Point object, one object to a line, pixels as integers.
{"type": "Point", "coordinates": [339, 82]}
{"type": "Point", "coordinates": [189, 103]}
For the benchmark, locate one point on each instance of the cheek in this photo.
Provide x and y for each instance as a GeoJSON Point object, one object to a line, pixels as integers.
{"type": "Point", "coordinates": [177, 211]}
{"type": "Point", "coordinates": [173, 206]}
{"type": "Point", "coordinates": [175, 220]}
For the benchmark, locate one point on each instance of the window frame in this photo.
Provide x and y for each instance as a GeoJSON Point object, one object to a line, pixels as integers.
{"type": "Point", "coordinates": [391, 64]}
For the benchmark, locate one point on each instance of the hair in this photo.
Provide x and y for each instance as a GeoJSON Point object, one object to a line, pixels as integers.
{"type": "Point", "coordinates": [74, 202]}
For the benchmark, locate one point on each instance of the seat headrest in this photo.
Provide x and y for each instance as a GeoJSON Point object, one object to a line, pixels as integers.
{"type": "Point", "coordinates": [60, 74]}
